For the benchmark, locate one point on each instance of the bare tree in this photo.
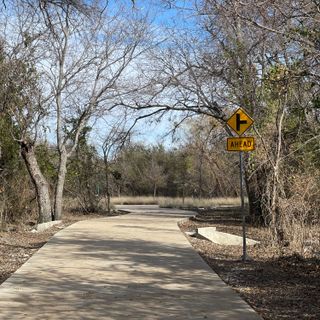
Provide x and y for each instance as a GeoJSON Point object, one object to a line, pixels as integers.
{"type": "Point", "coordinates": [89, 59]}
{"type": "Point", "coordinates": [113, 142]}
{"type": "Point", "coordinates": [83, 64]}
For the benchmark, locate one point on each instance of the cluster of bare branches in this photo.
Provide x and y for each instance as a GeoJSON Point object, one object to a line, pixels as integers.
{"type": "Point", "coordinates": [79, 57]}
{"type": "Point", "coordinates": [264, 57]}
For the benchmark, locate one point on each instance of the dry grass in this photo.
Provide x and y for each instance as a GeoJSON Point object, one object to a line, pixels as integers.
{"type": "Point", "coordinates": [198, 203]}
{"type": "Point", "coordinates": [134, 200]}
{"type": "Point", "coordinates": [75, 205]}
{"type": "Point", "coordinates": [177, 202]}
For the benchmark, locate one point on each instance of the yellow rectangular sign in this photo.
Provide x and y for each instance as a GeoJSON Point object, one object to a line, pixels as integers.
{"type": "Point", "coordinates": [241, 144]}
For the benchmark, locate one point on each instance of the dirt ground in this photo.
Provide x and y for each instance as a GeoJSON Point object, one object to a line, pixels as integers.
{"type": "Point", "coordinates": [277, 287]}
{"type": "Point", "coordinates": [284, 286]}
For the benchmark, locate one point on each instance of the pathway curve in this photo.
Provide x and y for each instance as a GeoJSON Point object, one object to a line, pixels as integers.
{"type": "Point", "coordinates": [136, 266]}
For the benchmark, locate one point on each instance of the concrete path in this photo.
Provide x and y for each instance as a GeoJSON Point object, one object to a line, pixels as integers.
{"type": "Point", "coordinates": [137, 266]}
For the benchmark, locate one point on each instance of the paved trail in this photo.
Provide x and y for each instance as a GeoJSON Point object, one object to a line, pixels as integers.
{"type": "Point", "coordinates": [137, 266]}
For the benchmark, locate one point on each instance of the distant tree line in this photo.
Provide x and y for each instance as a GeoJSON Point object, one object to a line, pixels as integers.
{"type": "Point", "coordinates": [199, 168]}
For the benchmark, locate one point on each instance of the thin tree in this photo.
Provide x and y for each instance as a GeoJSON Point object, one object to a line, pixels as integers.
{"type": "Point", "coordinates": [113, 142]}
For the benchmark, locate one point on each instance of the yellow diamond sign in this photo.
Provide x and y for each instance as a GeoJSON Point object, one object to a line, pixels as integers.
{"type": "Point", "coordinates": [240, 122]}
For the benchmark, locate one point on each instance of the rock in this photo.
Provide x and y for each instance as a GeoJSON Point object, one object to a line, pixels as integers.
{"type": "Point", "coordinates": [47, 225]}
{"type": "Point", "coordinates": [192, 233]}
{"type": "Point", "coordinates": [223, 238]}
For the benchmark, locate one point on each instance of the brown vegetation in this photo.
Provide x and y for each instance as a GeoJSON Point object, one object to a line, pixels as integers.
{"type": "Point", "coordinates": [277, 284]}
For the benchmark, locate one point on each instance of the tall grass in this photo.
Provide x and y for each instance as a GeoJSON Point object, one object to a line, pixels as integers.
{"type": "Point", "coordinates": [134, 200]}
{"type": "Point", "coordinates": [198, 203]}
{"type": "Point", "coordinates": [176, 202]}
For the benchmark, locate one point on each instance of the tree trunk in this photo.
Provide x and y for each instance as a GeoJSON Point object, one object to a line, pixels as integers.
{"type": "Point", "coordinates": [275, 211]}
{"type": "Point", "coordinates": [200, 175]}
{"type": "Point", "coordinates": [2, 214]}
{"type": "Point", "coordinates": [183, 194]}
{"type": "Point", "coordinates": [58, 197]}
{"type": "Point", "coordinates": [39, 181]}
{"type": "Point", "coordinates": [106, 167]}
{"type": "Point", "coordinates": [154, 190]}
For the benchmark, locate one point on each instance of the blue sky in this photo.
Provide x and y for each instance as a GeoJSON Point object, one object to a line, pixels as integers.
{"type": "Point", "coordinates": [162, 17]}
{"type": "Point", "coordinates": [178, 16]}
{"type": "Point", "coordinates": [152, 132]}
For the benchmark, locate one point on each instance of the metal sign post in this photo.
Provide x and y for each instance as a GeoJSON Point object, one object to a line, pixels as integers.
{"type": "Point", "coordinates": [240, 122]}
{"type": "Point", "coordinates": [244, 246]}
